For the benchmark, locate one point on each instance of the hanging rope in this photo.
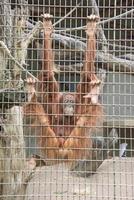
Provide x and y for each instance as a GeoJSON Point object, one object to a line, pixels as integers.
{"type": "Point", "coordinates": [67, 14]}
{"type": "Point", "coordinates": [100, 22]}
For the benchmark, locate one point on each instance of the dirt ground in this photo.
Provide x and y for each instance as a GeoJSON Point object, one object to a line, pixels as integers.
{"type": "Point", "coordinates": [114, 180]}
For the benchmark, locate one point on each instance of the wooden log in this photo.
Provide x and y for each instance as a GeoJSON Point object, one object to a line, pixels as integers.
{"type": "Point", "coordinates": [12, 151]}
{"type": "Point", "coordinates": [115, 64]}
{"type": "Point", "coordinates": [127, 57]}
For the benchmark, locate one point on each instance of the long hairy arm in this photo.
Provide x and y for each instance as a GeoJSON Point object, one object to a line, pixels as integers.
{"type": "Point", "coordinates": [79, 143]}
{"type": "Point", "coordinates": [46, 90]}
{"type": "Point", "coordinates": [46, 77]}
{"type": "Point", "coordinates": [88, 88]}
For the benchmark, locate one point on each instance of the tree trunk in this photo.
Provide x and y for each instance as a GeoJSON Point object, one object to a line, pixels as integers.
{"type": "Point", "coordinates": [12, 146]}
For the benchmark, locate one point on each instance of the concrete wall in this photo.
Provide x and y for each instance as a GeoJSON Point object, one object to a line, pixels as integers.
{"type": "Point", "coordinates": [118, 95]}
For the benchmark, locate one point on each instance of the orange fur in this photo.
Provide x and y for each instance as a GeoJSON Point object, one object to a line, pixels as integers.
{"type": "Point", "coordinates": [66, 138]}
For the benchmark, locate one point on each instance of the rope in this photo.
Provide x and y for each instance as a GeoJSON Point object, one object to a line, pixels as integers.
{"type": "Point", "coordinates": [99, 41]}
{"type": "Point", "coordinates": [67, 14]}
{"type": "Point", "coordinates": [116, 17]}
{"type": "Point", "coordinates": [101, 22]}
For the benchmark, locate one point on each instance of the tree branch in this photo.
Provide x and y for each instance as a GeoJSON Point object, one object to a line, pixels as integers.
{"type": "Point", "coordinates": [6, 50]}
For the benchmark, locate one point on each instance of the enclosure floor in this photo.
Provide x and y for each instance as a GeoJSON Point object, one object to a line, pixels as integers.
{"type": "Point", "coordinates": [114, 180]}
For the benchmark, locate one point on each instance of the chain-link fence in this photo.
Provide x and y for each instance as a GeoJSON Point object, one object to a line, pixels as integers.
{"type": "Point", "coordinates": [66, 100]}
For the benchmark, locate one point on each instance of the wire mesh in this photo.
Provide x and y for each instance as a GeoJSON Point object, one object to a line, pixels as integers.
{"type": "Point", "coordinates": [55, 143]}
